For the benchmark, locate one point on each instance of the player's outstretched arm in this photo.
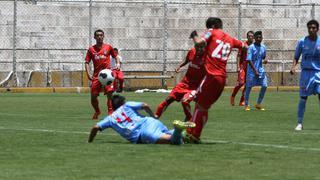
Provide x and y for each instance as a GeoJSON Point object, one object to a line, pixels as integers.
{"type": "Point", "coordinates": [146, 107]}
{"type": "Point", "coordinates": [93, 133]}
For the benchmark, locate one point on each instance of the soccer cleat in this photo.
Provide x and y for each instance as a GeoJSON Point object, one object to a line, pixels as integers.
{"type": "Point", "coordinates": [299, 127]}
{"type": "Point", "coordinates": [189, 138]}
{"type": "Point", "coordinates": [96, 115]}
{"type": "Point", "coordinates": [231, 100]}
{"type": "Point", "coordinates": [247, 108]}
{"type": "Point", "coordinates": [259, 107]}
{"type": "Point", "coordinates": [183, 125]}
{"type": "Point", "coordinates": [241, 103]}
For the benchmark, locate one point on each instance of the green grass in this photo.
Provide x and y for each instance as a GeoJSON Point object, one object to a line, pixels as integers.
{"type": "Point", "coordinates": [43, 136]}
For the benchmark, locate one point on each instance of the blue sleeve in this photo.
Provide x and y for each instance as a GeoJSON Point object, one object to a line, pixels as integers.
{"type": "Point", "coordinates": [249, 55]}
{"type": "Point", "coordinates": [105, 123]}
{"type": "Point", "coordinates": [134, 105]}
{"type": "Point", "coordinates": [298, 51]}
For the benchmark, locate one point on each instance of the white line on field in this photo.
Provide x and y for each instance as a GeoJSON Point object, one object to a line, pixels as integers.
{"type": "Point", "coordinates": [205, 140]}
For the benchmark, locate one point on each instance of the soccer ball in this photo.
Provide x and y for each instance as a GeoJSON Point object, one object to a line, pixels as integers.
{"type": "Point", "coordinates": [106, 77]}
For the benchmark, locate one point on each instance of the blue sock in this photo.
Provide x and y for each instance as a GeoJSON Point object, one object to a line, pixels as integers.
{"type": "Point", "coordinates": [176, 137]}
{"type": "Point", "coordinates": [246, 96]}
{"type": "Point", "coordinates": [261, 94]}
{"type": "Point", "coordinates": [301, 109]}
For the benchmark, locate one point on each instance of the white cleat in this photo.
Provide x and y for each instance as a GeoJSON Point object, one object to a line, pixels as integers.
{"type": "Point", "coordinates": [299, 127]}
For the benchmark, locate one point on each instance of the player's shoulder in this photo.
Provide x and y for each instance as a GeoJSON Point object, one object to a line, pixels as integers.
{"type": "Point", "coordinates": [263, 46]}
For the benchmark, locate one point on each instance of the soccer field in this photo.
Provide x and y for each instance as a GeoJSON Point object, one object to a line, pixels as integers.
{"type": "Point", "coordinates": [43, 136]}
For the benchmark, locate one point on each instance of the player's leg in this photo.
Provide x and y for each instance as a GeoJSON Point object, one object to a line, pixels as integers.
{"type": "Point", "coordinates": [234, 93]}
{"type": "Point", "coordinates": [186, 108]}
{"type": "Point", "coordinates": [109, 103]}
{"type": "Point", "coordinates": [250, 81]}
{"type": "Point", "coordinates": [115, 82]}
{"type": "Point", "coordinates": [120, 78]}
{"type": "Point", "coordinates": [208, 93]}
{"type": "Point", "coordinates": [163, 106]}
{"type": "Point", "coordinates": [241, 102]}
{"type": "Point", "coordinates": [301, 110]}
{"type": "Point", "coordinates": [95, 90]}
{"type": "Point", "coordinates": [262, 93]}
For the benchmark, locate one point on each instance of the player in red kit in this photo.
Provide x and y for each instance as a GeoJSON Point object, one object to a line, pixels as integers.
{"type": "Point", "coordinates": [99, 54]}
{"type": "Point", "coordinates": [190, 81]}
{"type": "Point", "coordinates": [242, 70]}
{"type": "Point", "coordinates": [218, 49]}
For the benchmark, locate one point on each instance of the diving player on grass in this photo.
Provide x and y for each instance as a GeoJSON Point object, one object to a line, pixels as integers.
{"type": "Point", "coordinates": [256, 75]}
{"type": "Point", "coordinates": [139, 129]}
{"type": "Point", "coordinates": [309, 48]}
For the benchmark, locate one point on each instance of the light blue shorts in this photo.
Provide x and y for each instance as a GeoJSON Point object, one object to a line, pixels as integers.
{"type": "Point", "coordinates": [309, 82]}
{"type": "Point", "coordinates": [152, 130]}
{"type": "Point", "coordinates": [257, 81]}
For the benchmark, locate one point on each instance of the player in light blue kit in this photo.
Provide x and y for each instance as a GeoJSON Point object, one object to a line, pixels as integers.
{"type": "Point", "coordinates": [137, 128]}
{"type": "Point", "coordinates": [309, 48]}
{"type": "Point", "coordinates": [256, 75]}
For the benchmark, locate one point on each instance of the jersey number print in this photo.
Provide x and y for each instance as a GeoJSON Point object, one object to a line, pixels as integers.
{"type": "Point", "coordinates": [221, 51]}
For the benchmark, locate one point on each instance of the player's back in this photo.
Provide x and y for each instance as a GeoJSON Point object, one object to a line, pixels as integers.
{"type": "Point", "coordinates": [218, 50]}
{"type": "Point", "coordinates": [127, 121]}
{"type": "Point", "coordinates": [195, 71]}
{"type": "Point", "coordinates": [310, 54]}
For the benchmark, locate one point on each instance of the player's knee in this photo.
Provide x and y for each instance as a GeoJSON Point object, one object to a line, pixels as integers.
{"type": "Point", "coordinates": [304, 97]}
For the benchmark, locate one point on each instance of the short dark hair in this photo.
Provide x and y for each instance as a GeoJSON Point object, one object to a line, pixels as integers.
{"type": "Point", "coordinates": [117, 101]}
{"type": "Point", "coordinates": [98, 30]}
{"type": "Point", "coordinates": [193, 34]}
{"type": "Point", "coordinates": [315, 22]}
{"type": "Point", "coordinates": [214, 22]}
{"type": "Point", "coordinates": [257, 33]}
{"type": "Point", "coordinates": [115, 49]}
{"type": "Point", "coordinates": [250, 32]}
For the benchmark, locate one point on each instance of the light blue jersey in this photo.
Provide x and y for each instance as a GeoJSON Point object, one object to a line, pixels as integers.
{"type": "Point", "coordinates": [310, 51]}
{"type": "Point", "coordinates": [256, 53]}
{"type": "Point", "coordinates": [310, 65]}
{"type": "Point", "coordinates": [133, 126]}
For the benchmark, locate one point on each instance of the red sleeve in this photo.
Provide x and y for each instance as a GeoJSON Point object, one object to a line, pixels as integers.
{"type": "Point", "coordinates": [88, 56]}
{"type": "Point", "coordinates": [206, 35]}
{"type": "Point", "coordinates": [237, 44]}
{"type": "Point", "coordinates": [112, 52]}
{"type": "Point", "coordinates": [191, 54]}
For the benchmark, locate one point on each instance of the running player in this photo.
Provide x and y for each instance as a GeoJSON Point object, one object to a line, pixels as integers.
{"type": "Point", "coordinates": [218, 48]}
{"type": "Point", "coordinates": [189, 82]}
{"type": "Point", "coordinates": [242, 70]}
{"type": "Point", "coordinates": [309, 48]}
{"type": "Point", "coordinates": [138, 129]}
{"type": "Point", "coordinates": [99, 54]}
{"type": "Point", "coordinates": [256, 75]}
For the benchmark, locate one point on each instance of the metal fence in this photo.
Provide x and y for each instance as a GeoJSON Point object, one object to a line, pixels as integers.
{"type": "Point", "coordinates": [44, 42]}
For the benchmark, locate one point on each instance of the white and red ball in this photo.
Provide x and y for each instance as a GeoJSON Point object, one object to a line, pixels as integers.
{"type": "Point", "coordinates": [106, 77]}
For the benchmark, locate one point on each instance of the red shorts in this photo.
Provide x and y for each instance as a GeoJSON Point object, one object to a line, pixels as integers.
{"type": "Point", "coordinates": [210, 90]}
{"type": "Point", "coordinates": [96, 87]}
{"type": "Point", "coordinates": [118, 74]}
{"type": "Point", "coordinates": [179, 91]}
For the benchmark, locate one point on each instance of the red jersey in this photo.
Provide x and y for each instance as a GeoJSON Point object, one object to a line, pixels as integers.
{"type": "Point", "coordinates": [196, 70]}
{"type": "Point", "coordinates": [219, 46]}
{"type": "Point", "coordinates": [243, 54]}
{"type": "Point", "coordinates": [100, 57]}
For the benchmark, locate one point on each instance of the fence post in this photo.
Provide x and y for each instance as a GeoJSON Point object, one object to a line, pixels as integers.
{"type": "Point", "coordinates": [14, 48]}
{"type": "Point", "coordinates": [90, 22]}
{"type": "Point", "coordinates": [239, 20]}
{"type": "Point", "coordinates": [165, 43]}
{"type": "Point", "coordinates": [313, 11]}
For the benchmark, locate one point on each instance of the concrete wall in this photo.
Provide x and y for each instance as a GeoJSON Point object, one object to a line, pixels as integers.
{"type": "Point", "coordinates": [55, 35]}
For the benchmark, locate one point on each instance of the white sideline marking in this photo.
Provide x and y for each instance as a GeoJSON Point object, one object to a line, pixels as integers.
{"type": "Point", "coordinates": [205, 140]}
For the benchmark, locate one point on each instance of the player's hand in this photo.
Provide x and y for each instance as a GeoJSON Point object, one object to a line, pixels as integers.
{"type": "Point", "coordinates": [238, 69]}
{"type": "Point", "coordinates": [177, 70]}
{"type": "Point", "coordinates": [90, 77]}
{"type": "Point", "coordinates": [293, 70]}
{"type": "Point", "coordinates": [265, 62]}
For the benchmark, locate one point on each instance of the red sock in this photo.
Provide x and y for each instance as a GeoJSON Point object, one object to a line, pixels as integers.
{"type": "Point", "coordinates": [109, 104]}
{"type": "Point", "coordinates": [161, 108]}
{"type": "Point", "coordinates": [95, 105]}
{"type": "Point", "coordinates": [200, 118]}
{"type": "Point", "coordinates": [120, 83]}
{"type": "Point", "coordinates": [235, 90]}
{"type": "Point", "coordinates": [187, 110]}
{"type": "Point", "coordinates": [242, 96]}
